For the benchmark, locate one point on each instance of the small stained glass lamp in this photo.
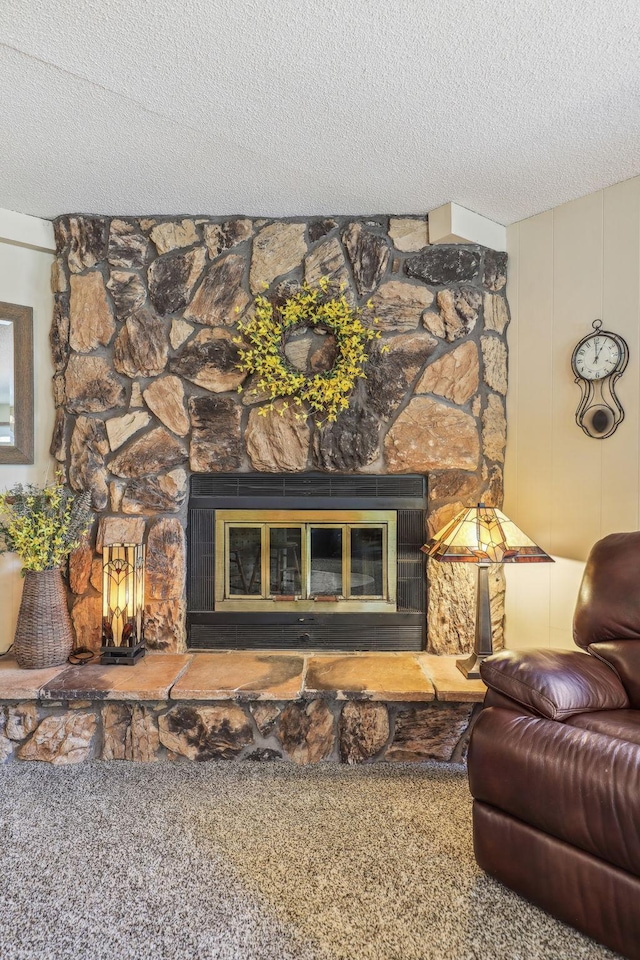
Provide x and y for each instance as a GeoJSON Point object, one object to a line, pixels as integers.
{"type": "Point", "coordinates": [482, 535]}
{"type": "Point", "coordinates": [122, 603]}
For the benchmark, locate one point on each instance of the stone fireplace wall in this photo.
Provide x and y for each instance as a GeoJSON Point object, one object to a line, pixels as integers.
{"type": "Point", "coordinates": [147, 387]}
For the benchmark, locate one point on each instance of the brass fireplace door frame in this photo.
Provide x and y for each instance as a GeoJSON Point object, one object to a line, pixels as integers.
{"type": "Point", "coordinates": [265, 519]}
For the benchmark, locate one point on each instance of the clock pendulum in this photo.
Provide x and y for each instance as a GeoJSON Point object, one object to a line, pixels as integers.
{"type": "Point", "coordinates": [598, 361]}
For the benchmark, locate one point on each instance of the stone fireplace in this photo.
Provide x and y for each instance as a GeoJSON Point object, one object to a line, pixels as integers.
{"type": "Point", "coordinates": [149, 398]}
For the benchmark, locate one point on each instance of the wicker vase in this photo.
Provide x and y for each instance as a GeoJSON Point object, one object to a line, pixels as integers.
{"type": "Point", "coordinates": [44, 637]}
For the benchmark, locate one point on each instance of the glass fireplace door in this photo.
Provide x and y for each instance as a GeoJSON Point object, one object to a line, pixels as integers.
{"type": "Point", "coordinates": [368, 547]}
{"type": "Point", "coordinates": [244, 561]}
{"type": "Point", "coordinates": [326, 561]}
{"type": "Point", "coordinates": [345, 559]}
{"type": "Point", "coordinates": [285, 546]}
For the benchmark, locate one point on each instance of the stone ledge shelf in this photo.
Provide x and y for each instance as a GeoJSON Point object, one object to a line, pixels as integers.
{"type": "Point", "coordinates": [151, 679]}
{"type": "Point", "coordinates": [304, 708]}
{"type": "Point", "coordinates": [240, 675]}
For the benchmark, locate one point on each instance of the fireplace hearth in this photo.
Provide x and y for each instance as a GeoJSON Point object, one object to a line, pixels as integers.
{"type": "Point", "coordinates": [309, 561]}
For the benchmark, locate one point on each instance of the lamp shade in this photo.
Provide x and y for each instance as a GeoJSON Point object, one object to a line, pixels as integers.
{"type": "Point", "coordinates": [483, 535]}
{"type": "Point", "coordinates": [122, 603]}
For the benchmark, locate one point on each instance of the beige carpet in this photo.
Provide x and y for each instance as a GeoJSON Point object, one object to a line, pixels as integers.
{"type": "Point", "coordinates": [254, 861]}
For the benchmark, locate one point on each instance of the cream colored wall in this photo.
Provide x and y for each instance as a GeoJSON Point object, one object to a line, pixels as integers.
{"type": "Point", "coordinates": [25, 267]}
{"type": "Point", "coordinates": [568, 267]}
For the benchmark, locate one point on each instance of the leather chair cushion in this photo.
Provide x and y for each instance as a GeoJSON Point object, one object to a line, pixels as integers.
{"type": "Point", "coordinates": [581, 787]}
{"type": "Point", "coordinates": [608, 606]}
{"type": "Point", "coordinates": [621, 724]}
{"type": "Point", "coordinates": [554, 683]}
{"type": "Point", "coordinates": [624, 657]}
{"type": "Point", "coordinates": [495, 699]}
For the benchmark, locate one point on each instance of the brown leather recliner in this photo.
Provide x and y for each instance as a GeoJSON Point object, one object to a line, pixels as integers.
{"type": "Point", "coordinates": [554, 761]}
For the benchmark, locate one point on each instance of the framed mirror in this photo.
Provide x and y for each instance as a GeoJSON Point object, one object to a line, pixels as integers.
{"type": "Point", "coordinates": [16, 383]}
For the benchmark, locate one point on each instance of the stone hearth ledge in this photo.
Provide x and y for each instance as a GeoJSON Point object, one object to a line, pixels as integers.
{"type": "Point", "coordinates": [382, 676]}
{"type": "Point", "coordinates": [228, 705]}
{"type": "Point", "coordinates": [150, 679]}
{"type": "Point", "coordinates": [245, 675]}
{"type": "Point", "coordinates": [17, 684]}
{"type": "Point", "coordinates": [241, 675]}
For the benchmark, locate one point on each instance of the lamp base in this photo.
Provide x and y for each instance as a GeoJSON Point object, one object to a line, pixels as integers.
{"type": "Point", "coordinates": [471, 666]}
{"type": "Point", "coordinates": [483, 646]}
{"type": "Point", "coordinates": [124, 656]}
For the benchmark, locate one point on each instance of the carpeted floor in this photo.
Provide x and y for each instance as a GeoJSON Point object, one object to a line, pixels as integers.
{"type": "Point", "coordinates": [261, 861]}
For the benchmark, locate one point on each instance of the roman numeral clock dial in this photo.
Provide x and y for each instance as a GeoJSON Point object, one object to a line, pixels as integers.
{"type": "Point", "coordinates": [597, 362]}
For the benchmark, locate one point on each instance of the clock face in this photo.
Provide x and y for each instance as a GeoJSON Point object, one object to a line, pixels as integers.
{"type": "Point", "coordinates": [597, 357]}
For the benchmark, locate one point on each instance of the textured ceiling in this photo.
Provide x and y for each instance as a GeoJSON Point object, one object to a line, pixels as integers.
{"type": "Point", "coordinates": [294, 107]}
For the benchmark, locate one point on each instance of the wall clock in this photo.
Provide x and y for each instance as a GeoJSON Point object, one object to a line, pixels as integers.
{"type": "Point", "coordinates": [598, 360]}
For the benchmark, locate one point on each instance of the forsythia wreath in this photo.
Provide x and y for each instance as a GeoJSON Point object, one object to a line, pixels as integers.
{"type": "Point", "coordinates": [325, 393]}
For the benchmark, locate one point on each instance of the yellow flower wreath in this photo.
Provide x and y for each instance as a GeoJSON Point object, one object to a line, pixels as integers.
{"type": "Point", "coordinates": [325, 393]}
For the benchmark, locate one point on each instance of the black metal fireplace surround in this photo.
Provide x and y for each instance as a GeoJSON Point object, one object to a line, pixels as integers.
{"type": "Point", "coordinates": [306, 561]}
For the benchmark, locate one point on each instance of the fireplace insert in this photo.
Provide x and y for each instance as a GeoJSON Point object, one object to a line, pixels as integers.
{"type": "Point", "coordinates": [295, 561]}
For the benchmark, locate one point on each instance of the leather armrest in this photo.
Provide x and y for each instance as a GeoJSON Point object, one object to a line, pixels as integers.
{"type": "Point", "coordinates": [555, 683]}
